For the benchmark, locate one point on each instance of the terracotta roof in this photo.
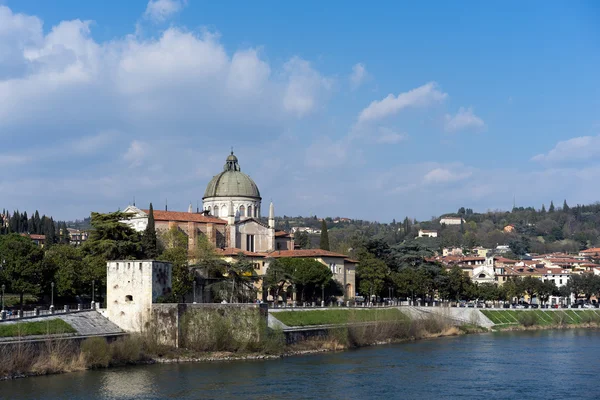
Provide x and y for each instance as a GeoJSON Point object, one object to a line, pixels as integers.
{"type": "Point", "coordinates": [505, 260]}
{"type": "Point", "coordinates": [232, 252]}
{"type": "Point", "coordinates": [184, 217]}
{"type": "Point", "coordinates": [34, 236]}
{"type": "Point", "coordinates": [281, 234]}
{"type": "Point", "coordinates": [592, 250]}
{"type": "Point", "coordinates": [305, 253]}
{"type": "Point", "coordinates": [351, 260]}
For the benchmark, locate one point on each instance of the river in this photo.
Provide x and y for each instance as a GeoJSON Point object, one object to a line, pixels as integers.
{"type": "Point", "coordinates": [508, 365]}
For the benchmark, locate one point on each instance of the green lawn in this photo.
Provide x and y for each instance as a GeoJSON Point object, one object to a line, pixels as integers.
{"type": "Point", "coordinates": [541, 317]}
{"type": "Point", "coordinates": [324, 317]}
{"type": "Point", "coordinates": [49, 327]}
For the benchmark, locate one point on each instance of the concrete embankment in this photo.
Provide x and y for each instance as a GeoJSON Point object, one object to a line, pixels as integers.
{"type": "Point", "coordinates": [87, 324]}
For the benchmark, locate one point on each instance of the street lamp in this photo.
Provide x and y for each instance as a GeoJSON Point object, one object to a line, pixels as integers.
{"type": "Point", "coordinates": [323, 295]}
{"type": "Point", "coordinates": [52, 297]}
{"type": "Point", "coordinates": [3, 287]}
{"type": "Point", "coordinates": [93, 294]}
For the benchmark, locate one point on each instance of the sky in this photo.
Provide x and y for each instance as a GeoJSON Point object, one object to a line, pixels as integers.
{"type": "Point", "coordinates": [370, 111]}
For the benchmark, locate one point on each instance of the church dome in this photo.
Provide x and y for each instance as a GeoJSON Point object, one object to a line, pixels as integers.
{"type": "Point", "coordinates": [232, 182]}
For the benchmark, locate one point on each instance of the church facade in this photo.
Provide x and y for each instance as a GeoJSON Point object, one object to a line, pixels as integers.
{"type": "Point", "coordinates": [231, 220]}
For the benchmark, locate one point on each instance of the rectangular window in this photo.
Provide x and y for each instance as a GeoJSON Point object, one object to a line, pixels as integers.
{"type": "Point", "coordinates": [250, 243]}
{"type": "Point", "coordinates": [561, 281]}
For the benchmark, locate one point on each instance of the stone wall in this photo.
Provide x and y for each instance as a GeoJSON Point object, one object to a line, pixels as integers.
{"type": "Point", "coordinates": [131, 288]}
{"type": "Point", "coordinates": [196, 325]}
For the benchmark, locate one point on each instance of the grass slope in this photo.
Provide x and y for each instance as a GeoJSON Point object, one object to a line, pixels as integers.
{"type": "Point", "coordinates": [325, 317]}
{"type": "Point", "coordinates": [539, 317]}
{"type": "Point", "coordinates": [52, 326]}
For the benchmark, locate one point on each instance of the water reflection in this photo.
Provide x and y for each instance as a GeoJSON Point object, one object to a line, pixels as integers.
{"type": "Point", "coordinates": [126, 383]}
{"type": "Point", "coordinates": [549, 364]}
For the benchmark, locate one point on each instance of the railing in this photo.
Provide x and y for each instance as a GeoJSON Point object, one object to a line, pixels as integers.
{"type": "Point", "coordinates": [14, 314]}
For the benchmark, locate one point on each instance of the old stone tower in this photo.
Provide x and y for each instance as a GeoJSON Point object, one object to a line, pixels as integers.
{"type": "Point", "coordinates": [131, 288]}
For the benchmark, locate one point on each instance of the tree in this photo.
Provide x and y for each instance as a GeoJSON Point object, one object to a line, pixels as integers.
{"type": "Point", "coordinates": [551, 208]}
{"type": "Point", "coordinates": [530, 286]}
{"type": "Point", "coordinates": [64, 265]}
{"type": "Point", "coordinates": [324, 243]}
{"type": "Point", "coordinates": [278, 275]}
{"type": "Point", "coordinates": [239, 279]}
{"type": "Point", "coordinates": [565, 207]}
{"type": "Point", "coordinates": [109, 239]}
{"type": "Point", "coordinates": [149, 243]}
{"type": "Point", "coordinates": [547, 289]}
{"type": "Point", "coordinates": [21, 265]}
{"type": "Point", "coordinates": [456, 285]}
{"type": "Point", "coordinates": [302, 239]}
{"type": "Point", "coordinates": [372, 273]}
{"type": "Point", "coordinates": [176, 252]}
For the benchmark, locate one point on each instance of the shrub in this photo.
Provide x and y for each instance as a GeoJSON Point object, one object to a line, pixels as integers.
{"type": "Point", "coordinates": [126, 350]}
{"type": "Point", "coordinates": [96, 352]}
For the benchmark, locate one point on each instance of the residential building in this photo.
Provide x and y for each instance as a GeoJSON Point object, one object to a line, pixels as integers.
{"type": "Point", "coordinates": [427, 233]}
{"type": "Point", "coordinates": [38, 240]}
{"type": "Point", "coordinates": [451, 220]}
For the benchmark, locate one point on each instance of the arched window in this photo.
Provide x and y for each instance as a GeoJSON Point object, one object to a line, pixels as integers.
{"type": "Point", "coordinates": [224, 211]}
{"type": "Point", "coordinates": [256, 212]}
{"type": "Point", "coordinates": [209, 210]}
{"type": "Point", "coordinates": [216, 211]}
{"type": "Point", "coordinates": [250, 211]}
{"type": "Point", "coordinates": [482, 275]}
{"type": "Point", "coordinates": [242, 211]}
{"type": "Point", "coordinates": [129, 298]}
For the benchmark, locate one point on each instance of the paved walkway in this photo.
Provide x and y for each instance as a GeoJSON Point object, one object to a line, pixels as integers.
{"type": "Point", "coordinates": [90, 323]}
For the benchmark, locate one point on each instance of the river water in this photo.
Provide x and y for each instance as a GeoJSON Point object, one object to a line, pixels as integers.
{"type": "Point", "coordinates": [508, 365]}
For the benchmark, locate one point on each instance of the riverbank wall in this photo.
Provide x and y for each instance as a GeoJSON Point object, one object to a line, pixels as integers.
{"type": "Point", "coordinates": [204, 325]}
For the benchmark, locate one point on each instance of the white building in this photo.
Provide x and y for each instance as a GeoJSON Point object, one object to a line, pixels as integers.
{"type": "Point", "coordinates": [427, 233]}
{"type": "Point", "coordinates": [451, 220]}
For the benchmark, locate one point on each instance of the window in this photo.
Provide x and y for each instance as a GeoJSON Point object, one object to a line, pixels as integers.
{"type": "Point", "coordinates": [250, 243]}
{"type": "Point", "coordinates": [140, 265]}
{"type": "Point", "coordinates": [223, 212]}
{"type": "Point", "coordinates": [561, 281]}
{"type": "Point", "coordinates": [242, 211]}
{"type": "Point", "coordinates": [250, 211]}
{"type": "Point", "coordinates": [129, 298]}
{"type": "Point", "coordinates": [216, 211]}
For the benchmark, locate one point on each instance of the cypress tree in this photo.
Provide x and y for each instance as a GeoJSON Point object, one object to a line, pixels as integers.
{"type": "Point", "coordinates": [324, 244]}
{"type": "Point", "coordinates": [149, 238]}
{"type": "Point", "coordinates": [551, 209]}
{"type": "Point", "coordinates": [565, 206]}
{"type": "Point", "coordinates": [37, 223]}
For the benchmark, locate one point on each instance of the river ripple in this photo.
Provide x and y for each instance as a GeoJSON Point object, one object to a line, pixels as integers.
{"type": "Point", "coordinates": [508, 365]}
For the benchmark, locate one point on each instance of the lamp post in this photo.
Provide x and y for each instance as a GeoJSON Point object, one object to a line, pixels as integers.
{"type": "Point", "coordinates": [3, 288]}
{"type": "Point", "coordinates": [52, 298]}
{"type": "Point", "coordinates": [93, 294]}
{"type": "Point", "coordinates": [294, 294]}
{"type": "Point", "coordinates": [323, 295]}
{"type": "Point", "coordinates": [194, 285]}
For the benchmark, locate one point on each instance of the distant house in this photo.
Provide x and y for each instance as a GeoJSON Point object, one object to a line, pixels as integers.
{"type": "Point", "coordinates": [427, 233]}
{"type": "Point", "coordinates": [452, 220]}
{"type": "Point", "coordinates": [509, 229]}
{"type": "Point", "coordinates": [76, 236]}
{"type": "Point", "coordinates": [452, 251]}
{"type": "Point", "coordinates": [590, 253]}
{"type": "Point", "coordinates": [501, 249]}
{"type": "Point", "coordinates": [480, 251]}
{"type": "Point", "coordinates": [38, 240]}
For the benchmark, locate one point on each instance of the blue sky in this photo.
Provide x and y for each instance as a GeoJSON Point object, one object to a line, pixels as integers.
{"type": "Point", "coordinates": [335, 109]}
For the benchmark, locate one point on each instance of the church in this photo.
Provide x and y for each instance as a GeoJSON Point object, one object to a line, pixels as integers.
{"type": "Point", "coordinates": [231, 220]}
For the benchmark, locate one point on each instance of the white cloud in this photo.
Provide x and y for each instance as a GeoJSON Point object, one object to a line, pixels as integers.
{"type": "Point", "coordinates": [358, 76]}
{"type": "Point", "coordinates": [463, 120]}
{"type": "Point", "coordinates": [160, 10]}
{"type": "Point", "coordinates": [13, 159]}
{"type": "Point", "coordinates": [136, 153]}
{"type": "Point", "coordinates": [389, 136]}
{"type": "Point", "coordinates": [93, 143]}
{"type": "Point", "coordinates": [445, 175]}
{"type": "Point", "coordinates": [422, 96]}
{"type": "Point", "coordinates": [577, 149]}
{"type": "Point", "coordinates": [304, 86]}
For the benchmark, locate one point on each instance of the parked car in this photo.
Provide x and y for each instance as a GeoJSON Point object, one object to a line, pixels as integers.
{"type": "Point", "coordinates": [471, 304]}
{"type": "Point", "coordinates": [519, 306]}
{"type": "Point", "coordinates": [588, 305]}
{"type": "Point", "coordinates": [534, 306]}
{"type": "Point", "coordinates": [462, 303]}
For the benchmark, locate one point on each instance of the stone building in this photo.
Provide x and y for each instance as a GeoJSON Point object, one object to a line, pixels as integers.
{"type": "Point", "coordinates": [231, 221]}
{"type": "Point", "coordinates": [132, 286]}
